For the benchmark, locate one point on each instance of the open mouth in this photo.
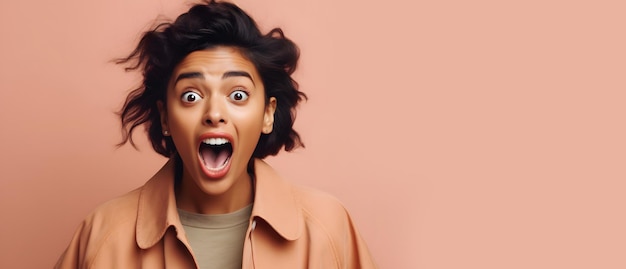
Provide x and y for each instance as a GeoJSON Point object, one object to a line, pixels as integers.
{"type": "Point", "coordinates": [215, 153]}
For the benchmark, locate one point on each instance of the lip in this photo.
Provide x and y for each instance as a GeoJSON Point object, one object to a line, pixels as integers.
{"type": "Point", "coordinates": [216, 174]}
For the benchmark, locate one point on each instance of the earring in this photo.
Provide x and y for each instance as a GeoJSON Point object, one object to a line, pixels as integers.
{"type": "Point", "coordinates": [166, 133]}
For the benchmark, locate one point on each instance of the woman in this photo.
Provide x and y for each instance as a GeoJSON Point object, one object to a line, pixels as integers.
{"type": "Point", "coordinates": [217, 97]}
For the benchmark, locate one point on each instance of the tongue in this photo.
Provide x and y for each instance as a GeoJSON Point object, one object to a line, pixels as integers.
{"type": "Point", "coordinates": [214, 159]}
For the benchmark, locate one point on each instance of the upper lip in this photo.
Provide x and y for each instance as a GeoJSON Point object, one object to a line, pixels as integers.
{"type": "Point", "coordinates": [226, 136]}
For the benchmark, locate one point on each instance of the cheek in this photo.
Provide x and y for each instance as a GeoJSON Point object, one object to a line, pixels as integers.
{"type": "Point", "coordinates": [249, 118]}
{"type": "Point", "coordinates": [182, 124]}
{"type": "Point", "coordinates": [249, 125]}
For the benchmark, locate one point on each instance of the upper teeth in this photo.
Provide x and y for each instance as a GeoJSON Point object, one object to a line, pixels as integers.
{"type": "Point", "coordinates": [215, 141]}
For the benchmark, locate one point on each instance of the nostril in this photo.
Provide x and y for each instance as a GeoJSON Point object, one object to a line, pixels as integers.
{"type": "Point", "coordinates": [209, 121]}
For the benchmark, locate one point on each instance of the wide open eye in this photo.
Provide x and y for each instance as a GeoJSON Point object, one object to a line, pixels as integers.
{"type": "Point", "coordinates": [190, 97]}
{"type": "Point", "coordinates": [238, 95]}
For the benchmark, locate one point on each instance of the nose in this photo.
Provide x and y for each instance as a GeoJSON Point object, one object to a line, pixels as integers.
{"type": "Point", "coordinates": [215, 112]}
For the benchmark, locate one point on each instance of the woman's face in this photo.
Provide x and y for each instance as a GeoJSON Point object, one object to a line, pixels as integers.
{"type": "Point", "coordinates": [215, 114]}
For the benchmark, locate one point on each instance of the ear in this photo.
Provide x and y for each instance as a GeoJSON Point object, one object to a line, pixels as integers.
{"type": "Point", "coordinates": [268, 117]}
{"type": "Point", "coordinates": [163, 116]}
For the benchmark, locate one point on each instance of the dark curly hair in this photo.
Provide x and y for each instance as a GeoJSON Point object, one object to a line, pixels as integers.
{"type": "Point", "coordinates": [206, 26]}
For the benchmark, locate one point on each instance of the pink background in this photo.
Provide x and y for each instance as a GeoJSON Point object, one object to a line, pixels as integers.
{"type": "Point", "coordinates": [459, 134]}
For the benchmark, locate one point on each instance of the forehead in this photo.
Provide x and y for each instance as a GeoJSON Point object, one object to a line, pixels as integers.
{"type": "Point", "coordinates": [215, 62]}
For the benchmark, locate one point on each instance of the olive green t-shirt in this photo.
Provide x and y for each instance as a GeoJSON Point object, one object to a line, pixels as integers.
{"type": "Point", "coordinates": [217, 240]}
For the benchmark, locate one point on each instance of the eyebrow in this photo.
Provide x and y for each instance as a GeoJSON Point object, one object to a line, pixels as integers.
{"type": "Point", "coordinates": [189, 75]}
{"type": "Point", "coordinates": [227, 74]}
{"type": "Point", "coordinates": [237, 74]}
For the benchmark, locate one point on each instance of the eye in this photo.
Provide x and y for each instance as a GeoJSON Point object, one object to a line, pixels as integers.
{"type": "Point", "coordinates": [190, 97]}
{"type": "Point", "coordinates": [238, 95]}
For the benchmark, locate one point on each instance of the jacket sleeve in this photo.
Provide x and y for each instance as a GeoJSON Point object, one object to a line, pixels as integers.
{"type": "Point", "coordinates": [74, 254]}
{"type": "Point", "coordinates": [357, 254]}
{"type": "Point", "coordinates": [334, 241]}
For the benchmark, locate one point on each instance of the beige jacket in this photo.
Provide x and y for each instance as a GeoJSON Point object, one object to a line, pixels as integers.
{"type": "Point", "coordinates": [290, 227]}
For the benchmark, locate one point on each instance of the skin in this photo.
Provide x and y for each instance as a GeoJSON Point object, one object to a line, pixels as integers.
{"type": "Point", "coordinates": [206, 97]}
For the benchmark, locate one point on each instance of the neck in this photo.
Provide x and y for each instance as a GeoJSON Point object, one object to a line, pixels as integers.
{"type": "Point", "coordinates": [192, 198]}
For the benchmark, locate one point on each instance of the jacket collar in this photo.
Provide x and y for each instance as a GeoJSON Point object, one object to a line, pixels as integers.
{"type": "Point", "coordinates": [274, 202]}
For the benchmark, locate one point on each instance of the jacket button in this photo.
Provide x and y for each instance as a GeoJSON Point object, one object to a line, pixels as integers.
{"type": "Point", "coordinates": [253, 225]}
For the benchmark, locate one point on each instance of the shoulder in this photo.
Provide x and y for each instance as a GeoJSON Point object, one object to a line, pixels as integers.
{"type": "Point", "coordinates": [329, 226]}
{"type": "Point", "coordinates": [111, 219]}
{"type": "Point", "coordinates": [110, 225]}
{"type": "Point", "coordinates": [326, 219]}
{"type": "Point", "coordinates": [325, 216]}
{"type": "Point", "coordinates": [119, 211]}
{"type": "Point", "coordinates": [323, 207]}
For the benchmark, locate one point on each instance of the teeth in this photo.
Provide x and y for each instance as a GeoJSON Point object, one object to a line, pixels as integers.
{"type": "Point", "coordinates": [215, 141]}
